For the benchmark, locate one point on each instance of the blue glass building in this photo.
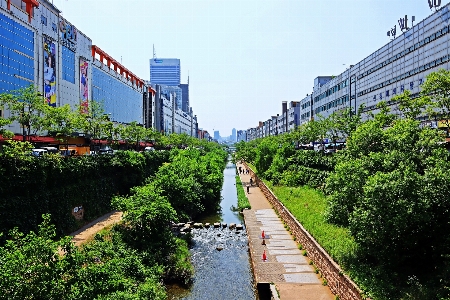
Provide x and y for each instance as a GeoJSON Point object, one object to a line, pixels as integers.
{"type": "Point", "coordinates": [120, 100]}
{"type": "Point", "coordinates": [165, 71]}
{"type": "Point", "coordinates": [16, 55]}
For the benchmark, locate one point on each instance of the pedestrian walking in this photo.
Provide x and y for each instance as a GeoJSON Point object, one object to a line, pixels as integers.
{"type": "Point", "coordinates": [251, 181]}
{"type": "Point", "coordinates": [248, 189]}
{"type": "Point", "coordinates": [240, 169]}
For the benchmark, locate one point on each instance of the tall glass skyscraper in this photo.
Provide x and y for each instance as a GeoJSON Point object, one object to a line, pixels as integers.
{"type": "Point", "coordinates": [165, 71]}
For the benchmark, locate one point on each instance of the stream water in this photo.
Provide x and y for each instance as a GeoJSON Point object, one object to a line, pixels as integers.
{"type": "Point", "coordinates": [225, 274]}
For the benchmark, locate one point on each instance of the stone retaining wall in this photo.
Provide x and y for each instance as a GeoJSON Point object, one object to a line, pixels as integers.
{"type": "Point", "coordinates": [338, 283]}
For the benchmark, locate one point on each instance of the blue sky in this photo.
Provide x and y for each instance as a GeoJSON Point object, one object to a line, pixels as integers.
{"type": "Point", "coordinates": [243, 57]}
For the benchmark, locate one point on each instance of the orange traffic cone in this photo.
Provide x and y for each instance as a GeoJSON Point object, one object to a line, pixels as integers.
{"type": "Point", "coordinates": [263, 235]}
{"type": "Point", "coordinates": [264, 257]}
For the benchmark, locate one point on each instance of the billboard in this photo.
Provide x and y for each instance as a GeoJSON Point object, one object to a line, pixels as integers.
{"type": "Point", "coordinates": [84, 85]}
{"type": "Point", "coordinates": [49, 71]}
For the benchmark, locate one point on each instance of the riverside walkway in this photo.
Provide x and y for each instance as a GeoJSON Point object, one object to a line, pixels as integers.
{"type": "Point", "coordinates": [285, 266]}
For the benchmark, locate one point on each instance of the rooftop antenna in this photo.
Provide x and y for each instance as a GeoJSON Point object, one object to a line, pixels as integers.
{"type": "Point", "coordinates": [154, 52]}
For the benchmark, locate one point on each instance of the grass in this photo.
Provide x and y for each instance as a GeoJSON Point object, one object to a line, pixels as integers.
{"type": "Point", "coordinates": [242, 198]}
{"type": "Point", "coordinates": [308, 206]}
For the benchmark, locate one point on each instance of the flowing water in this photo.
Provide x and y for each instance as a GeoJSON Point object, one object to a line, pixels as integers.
{"type": "Point", "coordinates": [224, 274]}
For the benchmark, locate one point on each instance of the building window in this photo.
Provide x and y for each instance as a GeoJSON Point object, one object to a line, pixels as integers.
{"type": "Point", "coordinates": [411, 85]}
{"type": "Point", "coordinates": [54, 28]}
{"type": "Point", "coordinates": [43, 20]}
{"type": "Point", "coordinates": [68, 65]}
{"type": "Point", "coordinates": [402, 88]}
{"type": "Point", "coordinates": [381, 96]}
{"type": "Point", "coordinates": [387, 93]}
{"type": "Point", "coordinates": [394, 91]}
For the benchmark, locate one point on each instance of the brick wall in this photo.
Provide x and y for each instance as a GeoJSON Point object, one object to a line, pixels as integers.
{"type": "Point", "coordinates": [338, 283]}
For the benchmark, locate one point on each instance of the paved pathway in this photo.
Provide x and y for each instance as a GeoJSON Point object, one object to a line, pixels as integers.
{"type": "Point", "coordinates": [285, 266]}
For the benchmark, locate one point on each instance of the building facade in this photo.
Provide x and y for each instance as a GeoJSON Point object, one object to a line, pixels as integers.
{"type": "Point", "coordinates": [120, 91]}
{"type": "Point", "coordinates": [400, 65]}
{"type": "Point", "coordinates": [165, 71]}
{"type": "Point", "coordinates": [185, 96]}
{"type": "Point", "coordinates": [170, 119]}
{"type": "Point", "coordinates": [39, 47]}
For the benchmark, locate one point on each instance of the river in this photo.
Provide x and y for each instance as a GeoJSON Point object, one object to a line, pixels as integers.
{"type": "Point", "coordinates": [225, 274]}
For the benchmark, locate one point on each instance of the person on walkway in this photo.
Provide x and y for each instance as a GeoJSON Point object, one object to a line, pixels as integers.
{"type": "Point", "coordinates": [251, 181]}
{"type": "Point", "coordinates": [248, 189]}
{"type": "Point", "coordinates": [240, 170]}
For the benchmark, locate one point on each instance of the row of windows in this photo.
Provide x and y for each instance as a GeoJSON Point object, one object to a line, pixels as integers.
{"type": "Point", "coordinates": [10, 83]}
{"type": "Point", "coordinates": [306, 104]}
{"type": "Point", "coordinates": [394, 90]}
{"type": "Point", "coordinates": [68, 65]}
{"type": "Point", "coordinates": [305, 115]}
{"type": "Point", "coordinates": [11, 41]}
{"type": "Point", "coordinates": [120, 100]}
{"type": "Point", "coordinates": [331, 91]}
{"type": "Point", "coordinates": [407, 74]}
{"type": "Point", "coordinates": [390, 102]}
{"type": "Point", "coordinates": [16, 56]}
{"type": "Point", "coordinates": [334, 103]}
{"type": "Point", "coordinates": [417, 45]}
{"type": "Point", "coordinates": [426, 56]}
{"type": "Point", "coordinates": [10, 71]}
{"type": "Point", "coordinates": [11, 25]}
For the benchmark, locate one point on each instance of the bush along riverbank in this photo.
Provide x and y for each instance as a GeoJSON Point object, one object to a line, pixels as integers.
{"type": "Point", "coordinates": [380, 207]}
{"type": "Point", "coordinates": [242, 198]}
{"type": "Point", "coordinates": [131, 260]}
{"type": "Point", "coordinates": [32, 186]}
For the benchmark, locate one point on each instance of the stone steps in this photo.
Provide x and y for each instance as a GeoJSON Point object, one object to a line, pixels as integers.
{"type": "Point", "coordinates": [285, 262]}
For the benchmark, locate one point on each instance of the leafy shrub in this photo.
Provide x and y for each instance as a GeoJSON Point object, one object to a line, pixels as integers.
{"type": "Point", "coordinates": [32, 186]}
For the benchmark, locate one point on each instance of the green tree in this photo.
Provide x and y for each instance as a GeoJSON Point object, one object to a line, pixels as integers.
{"type": "Point", "coordinates": [27, 107]}
{"type": "Point", "coordinates": [3, 122]}
{"type": "Point", "coordinates": [32, 268]}
{"type": "Point", "coordinates": [437, 88]}
{"type": "Point", "coordinates": [61, 121]}
{"type": "Point", "coordinates": [313, 131]}
{"type": "Point", "coordinates": [265, 153]}
{"type": "Point", "coordinates": [133, 133]}
{"type": "Point", "coordinates": [411, 108]}
{"type": "Point", "coordinates": [392, 191]}
{"type": "Point", "coordinates": [343, 123]}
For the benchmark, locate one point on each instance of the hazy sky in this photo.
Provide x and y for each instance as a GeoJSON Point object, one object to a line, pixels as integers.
{"type": "Point", "coordinates": [243, 57]}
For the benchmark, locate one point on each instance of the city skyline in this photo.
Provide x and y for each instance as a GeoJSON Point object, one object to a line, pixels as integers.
{"type": "Point", "coordinates": [242, 55]}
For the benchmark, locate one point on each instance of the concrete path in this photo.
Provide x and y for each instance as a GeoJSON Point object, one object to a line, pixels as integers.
{"type": "Point", "coordinates": [285, 266]}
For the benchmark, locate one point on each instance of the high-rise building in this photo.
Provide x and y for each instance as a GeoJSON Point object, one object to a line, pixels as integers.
{"type": "Point", "coordinates": [233, 135]}
{"type": "Point", "coordinates": [217, 135]}
{"type": "Point", "coordinates": [165, 71]}
{"type": "Point", "coordinates": [167, 90]}
{"type": "Point", "coordinates": [184, 97]}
